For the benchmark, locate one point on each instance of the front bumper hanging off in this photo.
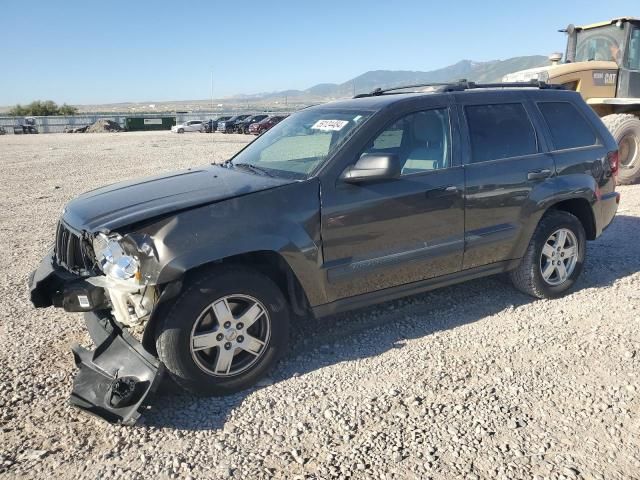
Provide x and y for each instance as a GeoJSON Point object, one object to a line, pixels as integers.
{"type": "Point", "coordinates": [114, 379]}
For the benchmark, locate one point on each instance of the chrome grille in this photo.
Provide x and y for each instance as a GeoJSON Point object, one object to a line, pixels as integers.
{"type": "Point", "coordinates": [71, 250]}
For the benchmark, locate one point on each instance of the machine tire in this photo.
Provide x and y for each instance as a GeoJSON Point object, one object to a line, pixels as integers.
{"type": "Point", "coordinates": [626, 128]}
{"type": "Point", "coordinates": [181, 130]}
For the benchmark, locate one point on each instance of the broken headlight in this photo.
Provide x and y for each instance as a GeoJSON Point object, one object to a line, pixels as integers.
{"type": "Point", "coordinates": [113, 259]}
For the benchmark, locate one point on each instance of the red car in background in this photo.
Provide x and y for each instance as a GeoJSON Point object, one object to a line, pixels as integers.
{"type": "Point", "coordinates": [264, 125]}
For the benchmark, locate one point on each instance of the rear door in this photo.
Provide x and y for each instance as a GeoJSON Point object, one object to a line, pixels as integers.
{"type": "Point", "coordinates": [504, 161]}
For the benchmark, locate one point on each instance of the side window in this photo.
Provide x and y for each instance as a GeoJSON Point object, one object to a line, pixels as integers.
{"type": "Point", "coordinates": [633, 55]}
{"type": "Point", "coordinates": [422, 141]}
{"type": "Point", "coordinates": [500, 131]}
{"type": "Point", "coordinates": [568, 127]}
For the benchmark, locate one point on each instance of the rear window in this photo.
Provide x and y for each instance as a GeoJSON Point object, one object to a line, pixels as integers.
{"type": "Point", "coordinates": [500, 131]}
{"type": "Point", "coordinates": [569, 129]}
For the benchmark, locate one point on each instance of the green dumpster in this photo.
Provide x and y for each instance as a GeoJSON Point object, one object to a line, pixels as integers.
{"type": "Point", "coordinates": [133, 124]}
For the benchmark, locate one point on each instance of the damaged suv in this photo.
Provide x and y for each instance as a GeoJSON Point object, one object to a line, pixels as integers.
{"type": "Point", "coordinates": [337, 207]}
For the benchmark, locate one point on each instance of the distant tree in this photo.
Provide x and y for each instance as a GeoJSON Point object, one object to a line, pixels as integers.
{"type": "Point", "coordinates": [41, 108]}
{"type": "Point", "coordinates": [18, 111]}
{"type": "Point", "coordinates": [67, 109]}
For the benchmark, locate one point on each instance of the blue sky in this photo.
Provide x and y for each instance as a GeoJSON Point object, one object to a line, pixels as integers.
{"type": "Point", "coordinates": [118, 51]}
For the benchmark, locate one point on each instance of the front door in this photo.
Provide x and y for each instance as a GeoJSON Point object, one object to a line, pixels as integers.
{"type": "Point", "coordinates": [386, 233]}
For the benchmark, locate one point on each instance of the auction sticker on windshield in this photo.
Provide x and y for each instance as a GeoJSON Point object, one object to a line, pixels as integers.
{"type": "Point", "coordinates": [329, 125]}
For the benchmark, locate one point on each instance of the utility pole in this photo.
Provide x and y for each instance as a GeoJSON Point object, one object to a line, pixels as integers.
{"type": "Point", "coordinates": [212, 102]}
{"type": "Point", "coordinates": [211, 91]}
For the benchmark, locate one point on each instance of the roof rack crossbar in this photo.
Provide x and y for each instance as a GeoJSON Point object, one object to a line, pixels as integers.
{"type": "Point", "coordinates": [532, 84]}
{"type": "Point", "coordinates": [462, 85]}
{"type": "Point", "coordinates": [380, 91]}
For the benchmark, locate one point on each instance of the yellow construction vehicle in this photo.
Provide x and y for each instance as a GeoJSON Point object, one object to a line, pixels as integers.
{"type": "Point", "coordinates": [602, 62]}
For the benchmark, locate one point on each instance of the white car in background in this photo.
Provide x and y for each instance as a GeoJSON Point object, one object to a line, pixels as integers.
{"type": "Point", "coordinates": [190, 126]}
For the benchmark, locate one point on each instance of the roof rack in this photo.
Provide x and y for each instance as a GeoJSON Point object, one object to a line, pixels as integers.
{"type": "Point", "coordinates": [380, 91]}
{"type": "Point", "coordinates": [462, 85]}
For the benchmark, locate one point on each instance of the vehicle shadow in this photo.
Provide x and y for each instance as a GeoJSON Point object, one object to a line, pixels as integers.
{"type": "Point", "coordinates": [367, 332]}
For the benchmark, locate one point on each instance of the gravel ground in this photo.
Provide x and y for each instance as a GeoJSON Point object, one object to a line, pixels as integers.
{"type": "Point", "coordinates": [470, 381]}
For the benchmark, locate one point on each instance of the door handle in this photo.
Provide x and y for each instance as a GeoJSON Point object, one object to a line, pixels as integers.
{"type": "Point", "coordinates": [538, 174]}
{"type": "Point", "coordinates": [442, 191]}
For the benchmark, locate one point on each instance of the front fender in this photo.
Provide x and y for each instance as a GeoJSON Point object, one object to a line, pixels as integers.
{"type": "Point", "coordinates": [284, 220]}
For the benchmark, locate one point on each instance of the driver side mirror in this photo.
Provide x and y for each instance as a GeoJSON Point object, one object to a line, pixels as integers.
{"type": "Point", "coordinates": [371, 167]}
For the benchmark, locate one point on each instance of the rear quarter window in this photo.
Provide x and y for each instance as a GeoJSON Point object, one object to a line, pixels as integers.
{"type": "Point", "coordinates": [500, 131]}
{"type": "Point", "coordinates": [569, 129]}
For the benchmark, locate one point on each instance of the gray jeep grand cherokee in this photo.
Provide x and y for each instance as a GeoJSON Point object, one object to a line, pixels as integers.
{"type": "Point", "coordinates": [339, 206]}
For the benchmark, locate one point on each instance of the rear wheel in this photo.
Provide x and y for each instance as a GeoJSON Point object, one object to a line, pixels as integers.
{"type": "Point", "coordinates": [625, 128]}
{"type": "Point", "coordinates": [224, 332]}
{"type": "Point", "coordinates": [554, 257]}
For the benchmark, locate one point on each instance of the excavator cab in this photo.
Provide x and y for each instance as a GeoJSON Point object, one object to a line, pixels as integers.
{"type": "Point", "coordinates": [615, 41]}
{"type": "Point", "coordinates": [602, 63]}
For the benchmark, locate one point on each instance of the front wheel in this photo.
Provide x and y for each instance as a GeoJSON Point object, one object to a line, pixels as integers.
{"type": "Point", "coordinates": [224, 332]}
{"type": "Point", "coordinates": [554, 257]}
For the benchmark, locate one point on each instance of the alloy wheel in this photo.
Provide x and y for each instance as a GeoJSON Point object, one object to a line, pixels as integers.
{"type": "Point", "coordinates": [559, 257]}
{"type": "Point", "coordinates": [230, 335]}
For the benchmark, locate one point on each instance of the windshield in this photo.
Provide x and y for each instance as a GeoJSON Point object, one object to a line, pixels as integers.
{"type": "Point", "coordinates": [602, 43]}
{"type": "Point", "coordinates": [301, 142]}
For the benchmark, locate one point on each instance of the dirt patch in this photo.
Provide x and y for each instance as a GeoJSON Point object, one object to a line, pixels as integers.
{"type": "Point", "coordinates": [104, 126]}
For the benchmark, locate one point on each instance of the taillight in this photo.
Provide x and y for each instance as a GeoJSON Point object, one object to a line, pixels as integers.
{"type": "Point", "coordinates": [614, 162]}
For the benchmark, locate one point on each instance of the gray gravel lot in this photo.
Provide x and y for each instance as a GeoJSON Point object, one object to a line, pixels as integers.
{"type": "Point", "coordinates": [470, 381]}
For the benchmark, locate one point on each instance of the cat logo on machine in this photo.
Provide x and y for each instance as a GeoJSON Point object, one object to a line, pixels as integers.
{"type": "Point", "coordinates": [604, 78]}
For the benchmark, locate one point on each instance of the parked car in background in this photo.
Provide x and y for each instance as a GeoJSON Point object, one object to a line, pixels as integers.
{"type": "Point", "coordinates": [264, 125]}
{"type": "Point", "coordinates": [243, 126]}
{"type": "Point", "coordinates": [26, 127]}
{"type": "Point", "coordinates": [212, 125]}
{"type": "Point", "coordinates": [2, 130]}
{"type": "Point", "coordinates": [229, 126]}
{"type": "Point", "coordinates": [190, 126]}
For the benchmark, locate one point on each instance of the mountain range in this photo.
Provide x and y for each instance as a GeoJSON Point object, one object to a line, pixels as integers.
{"type": "Point", "coordinates": [487, 72]}
{"type": "Point", "coordinates": [491, 71]}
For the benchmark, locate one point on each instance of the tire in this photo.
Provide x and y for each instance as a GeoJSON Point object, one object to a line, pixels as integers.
{"type": "Point", "coordinates": [203, 371]}
{"type": "Point", "coordinates": [625, 128]}
{"type": "Point", "coordinates": [528, 277]}
{"type": "Point", "coordinates": [181, 130]}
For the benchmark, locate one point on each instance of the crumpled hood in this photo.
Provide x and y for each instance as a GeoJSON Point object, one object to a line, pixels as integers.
{"type": "Point", "coordinates": [132, 201]}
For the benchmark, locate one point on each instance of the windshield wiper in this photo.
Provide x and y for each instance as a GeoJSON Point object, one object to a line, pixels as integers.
{"type": "Point", "coordinates": [253, 168]}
